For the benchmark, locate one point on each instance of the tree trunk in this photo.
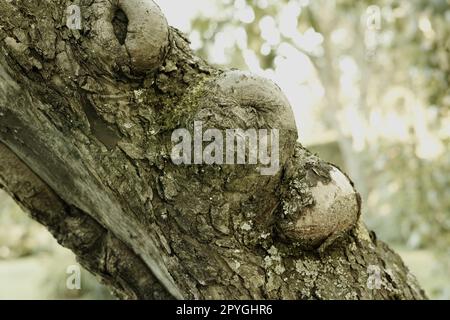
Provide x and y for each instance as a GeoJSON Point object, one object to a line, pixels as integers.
{"type": "Point", "coordinates": [87, 117]}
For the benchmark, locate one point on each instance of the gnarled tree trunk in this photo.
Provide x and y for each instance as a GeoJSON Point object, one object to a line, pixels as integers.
{"type": "Point", "coordinates": [86, 146]}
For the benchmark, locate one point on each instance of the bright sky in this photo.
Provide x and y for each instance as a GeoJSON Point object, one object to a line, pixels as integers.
{"type": "Point", "coordinates": [179, 13]}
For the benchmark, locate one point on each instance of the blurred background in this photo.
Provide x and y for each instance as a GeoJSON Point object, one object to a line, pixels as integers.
{"type": "Point", "coordinates": [369, 85]}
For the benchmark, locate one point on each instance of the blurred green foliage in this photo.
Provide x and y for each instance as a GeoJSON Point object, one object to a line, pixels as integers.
{"type": "Point", "coordinates": [33, 265]}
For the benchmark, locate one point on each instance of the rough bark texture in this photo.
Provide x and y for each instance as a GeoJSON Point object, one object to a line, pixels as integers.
{"type": "Point", "coordinates": [86, 118]}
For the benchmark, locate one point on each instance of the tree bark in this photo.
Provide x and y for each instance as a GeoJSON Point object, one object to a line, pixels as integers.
{"type": "Point", "coordinates": [86, 123]}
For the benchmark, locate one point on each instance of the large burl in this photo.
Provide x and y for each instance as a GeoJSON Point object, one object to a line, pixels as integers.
{"type": "Point", "coordinates": [92, 113]}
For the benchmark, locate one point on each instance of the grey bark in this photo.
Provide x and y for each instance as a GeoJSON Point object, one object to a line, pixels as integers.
{"type": "Point", "coordinates": [86, 118]}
